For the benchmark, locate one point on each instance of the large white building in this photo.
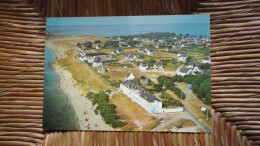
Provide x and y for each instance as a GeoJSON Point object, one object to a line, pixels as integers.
{"type": "Point", "coordinates": [146, 100]}
{"type": "Point", "coordinates": [139, 95]}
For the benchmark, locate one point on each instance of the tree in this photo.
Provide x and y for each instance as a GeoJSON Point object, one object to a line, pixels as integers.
{"type": "Point", "coordinates": [89, 94]}
{"type": "Point", "coordinates": [188, 59]}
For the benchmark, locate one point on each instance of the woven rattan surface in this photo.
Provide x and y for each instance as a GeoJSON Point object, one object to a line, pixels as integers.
{"type": "Point", "coordinates": [235, 51]}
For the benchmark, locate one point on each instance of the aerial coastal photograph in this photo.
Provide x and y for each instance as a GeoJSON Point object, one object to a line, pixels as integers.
{"type": "Point", "coordinates": [128, 73]}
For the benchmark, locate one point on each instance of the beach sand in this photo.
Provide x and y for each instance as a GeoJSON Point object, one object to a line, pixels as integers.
{"type": "Point", "coordinates": [83, 107]}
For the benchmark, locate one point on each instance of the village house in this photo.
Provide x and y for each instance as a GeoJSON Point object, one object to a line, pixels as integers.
{"type": "Point", "coordinates": [97, 62]}
{"type": "Point", "coordinates": [183, 72]}
{"type": "Point", "coordinates": [98, 47]}
{"type": "Point", "coordinates": [122, 44]}
{"type": "Point", "coordinates": [182, 58]}
{"type": "Point", "coordinates": [206, 60]}
{"type": "Point", "coordinates": [139, 45]}
{"type": "Point", "coordinates": [156, 46]}
{"type": "Point", "coordinates": [190, 65]}
{"type": "Point", "coordinates": [143, 66]}
{"type": "Point", "coordinates": [158, 66]}
{"type": "Point", "coordinates": [131, 57]}
{"type": "Point", "coordinates": [149, 52]}
{"type": "Point", "coordinates": [129, 76]}
{"type": "Point", "coordinates": [101, 69]}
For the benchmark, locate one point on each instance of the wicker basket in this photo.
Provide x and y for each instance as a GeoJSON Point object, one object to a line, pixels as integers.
{"type": "Point", "coordinates": [235, 35]}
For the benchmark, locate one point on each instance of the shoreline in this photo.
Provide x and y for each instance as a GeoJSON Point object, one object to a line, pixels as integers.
{"type": "Point", "coordinates": [83, 107]}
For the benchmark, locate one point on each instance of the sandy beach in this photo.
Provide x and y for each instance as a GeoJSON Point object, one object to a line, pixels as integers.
{"type": "Point", "coordinates": [83, 107]}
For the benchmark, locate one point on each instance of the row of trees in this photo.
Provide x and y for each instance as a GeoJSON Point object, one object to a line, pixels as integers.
{"type": "Point", "coordinates": [168, 101]}
{"type": "Point", "coordinates": [107, 110]}
{"type": "Point", "coordinates": [168, 83]}
{"type": "Point", "coordinates": [201, 85]}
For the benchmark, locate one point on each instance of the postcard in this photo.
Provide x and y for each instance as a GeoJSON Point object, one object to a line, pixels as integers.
{"type": "Point", "coordinates": [128, 73]}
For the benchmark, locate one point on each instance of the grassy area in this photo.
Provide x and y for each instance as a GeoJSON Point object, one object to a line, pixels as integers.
{"type": "Point", "coordinates": [151, 124]}
{"type": "Point", "coordinates": [130, 111]}
{"type": "Point", "coordinates": [185, 123]}
{"type": "Point", "coordinates": [86, 78]}
{"type": "Point", "coordinates": [119, 74]}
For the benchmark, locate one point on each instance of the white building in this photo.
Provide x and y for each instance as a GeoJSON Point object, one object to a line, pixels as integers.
{"type": "Point", "coordinates": [146, 100]}
{"type": "Point", "coordinates": [143, 66]}
{"type": "Point", "coordinates": [190, 65]}
{"type": "Point", "coordinates": [158, 66]}
{"type": "Point", "coordinates": [97, 62]}
{"type": "Point", "coordinates": [129, 76]}
{"type": "Point", "coordinates": [182, 58]}
{"type": "Point", "coordinates": [183, 72]}
{"type": "Point", "coordinates": [131, 57]}
{"type": "Point", "coordinates": [206, 60]}
{"type": "Point", "coordinates": [149, 52]}
{"type": "Point", "coordinates": [98, 47]}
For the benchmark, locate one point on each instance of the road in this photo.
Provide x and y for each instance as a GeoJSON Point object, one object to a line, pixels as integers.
{"type": "Point", "coordinates": [202, 125]}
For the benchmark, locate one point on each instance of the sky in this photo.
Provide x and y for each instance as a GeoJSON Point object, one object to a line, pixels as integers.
{"type": "Point", "coordinates": [127, 20]}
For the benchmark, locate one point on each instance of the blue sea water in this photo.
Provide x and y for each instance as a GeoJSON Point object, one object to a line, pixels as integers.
{"type": "Point", "coordinates": [196, 29]}
{"type": "Point", "coordinates": [59, 113]}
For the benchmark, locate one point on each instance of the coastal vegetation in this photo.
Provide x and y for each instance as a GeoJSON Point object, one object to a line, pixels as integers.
{"type": "Point", "coordinates": [106, 109]}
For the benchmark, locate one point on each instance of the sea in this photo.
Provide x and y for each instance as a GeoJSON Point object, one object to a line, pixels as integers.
{"type": "Point", "coordinates": [196, 29]}
{"type": "Point", "coordinates": [59, 113]}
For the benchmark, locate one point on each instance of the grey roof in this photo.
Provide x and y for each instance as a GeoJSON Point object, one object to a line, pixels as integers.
{"type": "Point", "coordinates": [184, 70]}
{"type": "Point", "coordinates": [206, 58]}
{"type": "Point", "coordinates": [190, 63]}
{"type": "Point", "coordinates": [129, 73]}
{"type": "Point", "coordinates": [120, 50]}
{"type": "Point", "coordinates": [97, 59]}
{"type": "Point", "coordinates": [158, 64]}
{"type": "Point", "coordinates": [198, 63]}
{"type": "Point", "coordinates": [143, 93]}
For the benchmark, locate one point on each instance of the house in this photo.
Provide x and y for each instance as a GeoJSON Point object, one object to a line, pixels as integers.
{"type": "Point", "coordinates": [183, 72]}
{"type": "Point", "coordinates": [139, 45]}
{"type": "Point", "coordinates": [190, 65]}
{"type": "Point", "coordinates": [149, 52]}
{"type": "Point", "coordinates": [129, 76]}
{"type": "Point", "coordinates": [179, 54]}
{"type": "Point", "coordinates": [197, 69]}
{"type": "Point", "coordinates": [101, 70]}
{"type": "Point", "coordinates": [156, 46]}
{"type": "Point", "coordinates": [131, 57]}
{"type": "Point", "coordinates": [119, 51]}
{"type": "Point", "coordinates": [98, 47]}
{"type": "Point", "coordinates": [206, 60]}
{"type": "Point", "coordinates": [182, 58]}
{"type": "Point", "coordinates": [162, 41]}
{"type": "Point", "coordinates": [158, 66]}
{"type": "Point", "coordinates": [122, 44]}
{"type": "Point", "coordinates": [139, 95]}
{"type": "Point", "coordinates": [97, 62]}
{"type": "Point", "coordinates": [143, 66]}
